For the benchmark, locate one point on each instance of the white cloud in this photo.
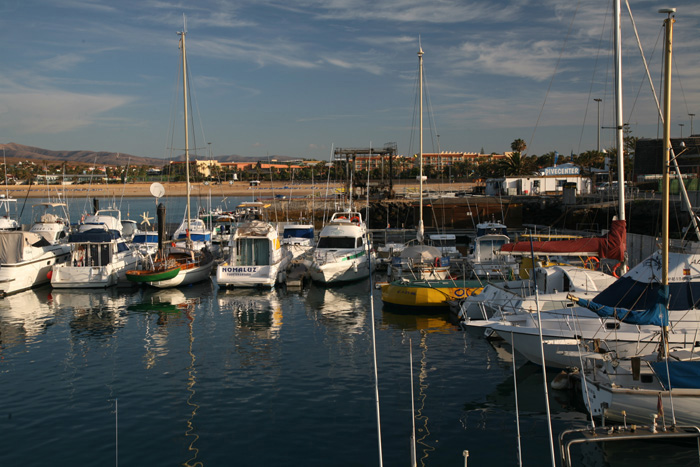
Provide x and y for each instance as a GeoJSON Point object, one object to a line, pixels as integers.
{"type": "Point", "coordinates": [29, 111]}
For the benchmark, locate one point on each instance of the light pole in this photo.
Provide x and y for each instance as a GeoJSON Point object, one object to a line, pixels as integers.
{"type": "Point", "coordinates": [691, 124]}
{"type": "Point", "coordinates": [598, 101]}
{"type": "Point", "coordinates": [681, 125]}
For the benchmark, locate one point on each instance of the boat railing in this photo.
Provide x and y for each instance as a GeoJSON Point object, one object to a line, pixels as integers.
{"type": "Point", "coordinates": [605, 434]}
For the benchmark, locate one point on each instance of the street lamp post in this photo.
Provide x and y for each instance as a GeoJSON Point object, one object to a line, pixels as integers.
{"type": "Point", "coordinates": [691, 124]}
{"type": "Point", "coordinates": [598, 101]}
{"type": "Point", "coordinates": [681, 125]}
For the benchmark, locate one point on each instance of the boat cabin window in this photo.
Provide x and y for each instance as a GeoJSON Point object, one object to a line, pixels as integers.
{"type": "Point", "coordinates": [336, 242]}
{"type": "Point", "coordinates": [298, 233]}
{"type": "Point", "coordinates": [491, 244]}
{"type": "Point", "coordinates": [92, 255]}
{"type": "Point", "coordinates": [253, 252]}
{"type": "Point", "coordinates": [444, 242]}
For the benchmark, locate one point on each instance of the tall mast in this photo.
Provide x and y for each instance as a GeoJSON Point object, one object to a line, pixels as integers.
{"type": "Point", "coordinates": [182, 35]}
{"type": "Point", "coordinates": [619, 123]}
{"type": "Point", "coordinates": [666, 156]}
{"type": "Point", "coordinates": [419, 233]}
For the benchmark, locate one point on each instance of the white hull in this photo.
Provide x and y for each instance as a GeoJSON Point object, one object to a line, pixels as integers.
{"type": "Point", "coordinates": [64, 276]}
{"type": "Point", "coordinates": [342, 270]}
{"type": "Point", "coordinates": [640, 403]}
{"type": "Point", "coordinates": [298, 251]}
{"type": "Point", "coordinates": [251, 276]}
{"type": "Point", "coordinates": [15, 277]}
{"type": "Point", "coordinates": [186, 277]}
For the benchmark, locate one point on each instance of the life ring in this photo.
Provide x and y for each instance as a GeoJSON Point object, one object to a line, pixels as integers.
{"type": "Point", "coordinates": [616, 274]}
{"type": "Point", "coordinates": [342, 217]}
{"type": "Point", "coordinates": [355, 219]}
{"type": "Point", "coordinates": [592, 263]}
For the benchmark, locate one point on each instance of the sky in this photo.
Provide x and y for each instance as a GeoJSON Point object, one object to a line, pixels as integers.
{"type": "Point", "coordinates": [301, 77]}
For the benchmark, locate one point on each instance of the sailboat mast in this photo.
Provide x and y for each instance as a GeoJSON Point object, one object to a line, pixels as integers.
{"type": "Point", "coordinates": [666, 157]}
{"type": "Point", "coordinates": [619, 123]}
{"type": "Point", "coordinates": [668, 25]}
{"type": "Point", "coordinates": [420, 141]}
{"type": "Point", "coordinates": [187, 135]}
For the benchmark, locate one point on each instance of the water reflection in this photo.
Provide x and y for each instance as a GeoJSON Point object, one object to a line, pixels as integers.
{"type": "Point", "coordinates": [94, 313]}
{"type": "Point", "coordinates": [342, 309]}
{"type": "Point", "coordinates": [409, 322]}
{"type": "Point", "coordinates": [257, 317]}
{"type": "Point", "coordinates": [24, 317]}
{"type": "Point", "coordinates": [169, 307]}
{"type": "Point", "coordinates": [175, 307]}
{"type": "Point", "coordinates": [257, 313]}
{"type": "Point", "coordinates": [427, 326]}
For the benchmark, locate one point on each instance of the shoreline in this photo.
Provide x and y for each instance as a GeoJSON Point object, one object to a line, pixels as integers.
{"type": "Point", "coordinates": [142, 190]}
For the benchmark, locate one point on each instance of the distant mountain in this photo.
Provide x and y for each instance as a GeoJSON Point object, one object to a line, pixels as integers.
{"type": "Point", "coordinates": [19, 152]}
{"type": "Point", "coordinates": [237, 158]}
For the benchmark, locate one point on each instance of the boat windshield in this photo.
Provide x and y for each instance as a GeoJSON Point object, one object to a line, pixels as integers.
{"type": "Point", "coordinates": [298, 233]}
{"type": "Point", "coordinates": [491, 230]}
{"type": "Point", "coordinates": [336, 242]}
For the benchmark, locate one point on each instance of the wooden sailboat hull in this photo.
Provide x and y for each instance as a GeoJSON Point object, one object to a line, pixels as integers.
{"type": "Point", "coordinates": [152, 275]}
{"type": "Point", "coordinates": [190, 272]}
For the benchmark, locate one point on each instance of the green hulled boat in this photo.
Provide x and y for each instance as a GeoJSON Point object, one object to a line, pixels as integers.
{"type": "Point", "coordinates": [153, 275]}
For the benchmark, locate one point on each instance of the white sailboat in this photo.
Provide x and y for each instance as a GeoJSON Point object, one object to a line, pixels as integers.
{"type": "Point", "coordinates": [418, 261]}
{"type": "Point", "coordinates": [638, 389]}
{"type": "Point", "coordinates": [178, 265]}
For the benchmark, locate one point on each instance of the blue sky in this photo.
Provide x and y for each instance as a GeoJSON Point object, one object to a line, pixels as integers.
{"type": "Point", "coordinates": [297, 78]}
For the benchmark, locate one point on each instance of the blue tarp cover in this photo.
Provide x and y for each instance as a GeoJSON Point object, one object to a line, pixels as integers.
{"type": "Point", "coordinates": [655, 315]}
{"type": "Point", "coordinates": [683, 374]}
{"type": "Point", "coordinates": [633, 295]}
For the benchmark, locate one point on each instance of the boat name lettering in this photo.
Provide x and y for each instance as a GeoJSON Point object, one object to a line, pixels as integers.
{"type": "Point", "coordinates": [240, 269]}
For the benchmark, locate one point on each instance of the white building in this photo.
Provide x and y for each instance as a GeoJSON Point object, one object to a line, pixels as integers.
{"type": "Point", "coordinates": [549, 181]}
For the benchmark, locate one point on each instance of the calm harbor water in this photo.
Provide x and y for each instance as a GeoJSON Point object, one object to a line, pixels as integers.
{"type": "Point", "coordinates": [203, 376]}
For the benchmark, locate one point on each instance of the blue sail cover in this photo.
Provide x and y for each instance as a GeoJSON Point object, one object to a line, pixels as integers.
{"type": "Point", "coordinates": [635, 295]}
{"type": "Point", "coordinates": [655, 315]}
{"type": "Point", "coordinates": [639, 289]}
{"type": "Point", "coordinates": [684, 374]}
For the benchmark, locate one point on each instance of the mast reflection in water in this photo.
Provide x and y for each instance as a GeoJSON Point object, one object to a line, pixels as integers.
{"type": "Point", "coordinates": [206, 376]}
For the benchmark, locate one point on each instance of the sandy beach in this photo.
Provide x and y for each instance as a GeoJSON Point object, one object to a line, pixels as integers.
{"type": "Point", "coordinates": [265, 190]}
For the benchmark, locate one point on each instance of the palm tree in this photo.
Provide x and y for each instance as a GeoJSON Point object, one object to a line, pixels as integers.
{"type": "Point", "coordinates": [515, 164]}
{"type": "Point", "coordinates": [518, 146]}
